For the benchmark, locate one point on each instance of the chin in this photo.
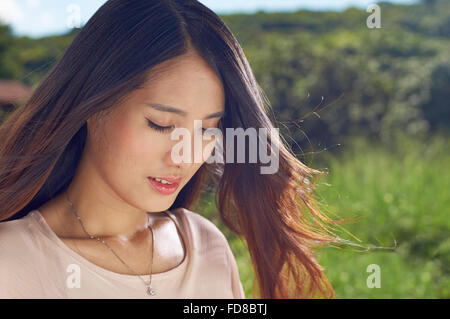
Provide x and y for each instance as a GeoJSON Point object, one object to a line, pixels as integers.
{"type": "Point", "coordinates": [160, 208]}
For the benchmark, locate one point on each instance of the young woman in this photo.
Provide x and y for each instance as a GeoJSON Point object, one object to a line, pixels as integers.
{"type": "Point", "coordinates": [85, 204]}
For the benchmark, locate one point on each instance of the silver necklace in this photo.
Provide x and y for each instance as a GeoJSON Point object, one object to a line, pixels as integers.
{"type": "Point", "coordinates": [148, 285]}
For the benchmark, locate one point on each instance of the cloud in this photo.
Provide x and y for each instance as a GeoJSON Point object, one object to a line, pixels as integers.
{"type": "Point", "coordinates": [46, 20]}
{"type": "Point", "coordinates": [33, 3]}
{"type": "Point", "coordinates": [10, 12]}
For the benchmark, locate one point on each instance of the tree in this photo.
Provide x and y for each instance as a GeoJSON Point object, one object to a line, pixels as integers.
{"type": "Point", "coordinates": [6, 40]}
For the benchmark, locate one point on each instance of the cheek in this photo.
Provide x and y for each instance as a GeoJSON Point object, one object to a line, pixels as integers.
{"type": "Point", "coordinates": [129, 148]}
{"type": "Point", "coordinates": [130, 143]}
{"type": "Point", "coordinates": [138, 149]}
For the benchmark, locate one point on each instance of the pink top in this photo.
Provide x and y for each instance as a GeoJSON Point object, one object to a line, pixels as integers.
{"type": "Point", "coordinates": [35, 263]}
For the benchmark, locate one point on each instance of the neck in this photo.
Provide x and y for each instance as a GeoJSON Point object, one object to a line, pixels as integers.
{"type": "Point", "coordinates": [101, 211]}
{"type": "Point", "coordinates": [110, 223]}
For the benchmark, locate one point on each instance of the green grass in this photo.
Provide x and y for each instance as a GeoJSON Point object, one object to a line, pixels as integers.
{"type": "Point", "coordinates": [401, 195]}
{"type": "Point", "coordinates": [399, 192]}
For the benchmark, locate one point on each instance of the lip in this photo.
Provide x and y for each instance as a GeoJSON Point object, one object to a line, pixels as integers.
{"type": "Point", "coordinates": [171, 179]}
{"type": "Point", "coordinates": [165, 189]}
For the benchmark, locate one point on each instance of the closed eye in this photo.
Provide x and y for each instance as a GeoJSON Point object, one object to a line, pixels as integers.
{"type": "Point", "coordinates": [159, 128]}
{"type": "Point", "coordinates": [165, 129]}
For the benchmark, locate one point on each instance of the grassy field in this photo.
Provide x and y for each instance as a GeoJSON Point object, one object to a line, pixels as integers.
{"type": "Point", "coordinates": [401, 196]}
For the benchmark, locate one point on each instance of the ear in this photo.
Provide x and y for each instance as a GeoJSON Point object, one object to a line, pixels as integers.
{"type": "Point", "coordinates": [91, 125]}
{"type": "Point", "coordinates": [92, 121]}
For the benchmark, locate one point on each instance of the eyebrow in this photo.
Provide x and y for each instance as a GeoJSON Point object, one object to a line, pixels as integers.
{"type": "Point", "coordinates": [171, 109]}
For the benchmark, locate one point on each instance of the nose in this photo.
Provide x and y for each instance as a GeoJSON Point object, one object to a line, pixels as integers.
{"type": "Point", "coordinates": [180, 153]}
{"type": "Point", "coordinates": [175, 164]}
{"type": "Point", "coordinates": [187, 147]}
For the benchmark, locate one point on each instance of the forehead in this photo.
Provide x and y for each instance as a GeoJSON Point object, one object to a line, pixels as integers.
{"type": "Point", "coordinates": [188, 83]}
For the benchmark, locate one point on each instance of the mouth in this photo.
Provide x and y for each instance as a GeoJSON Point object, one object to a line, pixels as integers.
{"type": "Point", "coordinates": [164, 185]}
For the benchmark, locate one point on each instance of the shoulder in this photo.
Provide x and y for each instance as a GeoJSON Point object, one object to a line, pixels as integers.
{"type": "Point", "coordinates": [214, 243]}
{"type": "Point", "coordinates": [16, 238]}
{"type": "Point", "coordinates": [202, 231]}
{"type": "Point", "coordinates": [12, 233]}
{"type": "Point", "coordinates": [17, 262]}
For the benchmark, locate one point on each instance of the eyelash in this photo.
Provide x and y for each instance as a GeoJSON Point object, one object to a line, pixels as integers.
{"type": "Point", "coordinates": [164, 129]}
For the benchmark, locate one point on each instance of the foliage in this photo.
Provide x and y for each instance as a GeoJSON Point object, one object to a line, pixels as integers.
{"type": "Point", "coordinates": [326, 74]}
{"type": "Point", "coordinates": [333, 81]}
{"type": "Point", "coordinates": [399, 197]}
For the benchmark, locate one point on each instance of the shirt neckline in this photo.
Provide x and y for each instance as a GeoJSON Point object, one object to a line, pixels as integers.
{"type": "Point", "coordinates": [55, 239]}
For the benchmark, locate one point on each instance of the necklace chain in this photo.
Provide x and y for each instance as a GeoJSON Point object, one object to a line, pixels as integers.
{"type": "Point", "coordinates": [148, 285]}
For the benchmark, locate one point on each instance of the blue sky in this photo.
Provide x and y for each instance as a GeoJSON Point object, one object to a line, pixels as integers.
{"type": "Point", "coordinates": [37, 18]}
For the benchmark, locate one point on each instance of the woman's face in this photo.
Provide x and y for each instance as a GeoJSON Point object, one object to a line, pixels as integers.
{"type": "Point", "coordinates": [126, 151]}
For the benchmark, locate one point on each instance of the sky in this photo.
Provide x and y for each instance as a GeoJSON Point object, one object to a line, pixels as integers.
{"type": "Point", "coordinates": [38, 18]}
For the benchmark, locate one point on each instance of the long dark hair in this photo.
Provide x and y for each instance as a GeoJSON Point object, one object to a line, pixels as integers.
{"type": "Point", "coordinates": [114, 54]}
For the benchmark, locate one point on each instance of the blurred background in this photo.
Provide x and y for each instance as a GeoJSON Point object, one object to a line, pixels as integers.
{"type": "Point", "coordinates": [360, 92]}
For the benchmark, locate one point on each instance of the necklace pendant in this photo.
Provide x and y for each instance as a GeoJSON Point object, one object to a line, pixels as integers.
{"type": "Point", "coordinates": [150, 291]}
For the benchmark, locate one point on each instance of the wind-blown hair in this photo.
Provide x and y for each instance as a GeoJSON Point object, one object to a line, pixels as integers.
{"type": "Point", "coordinates": [115, 53]}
